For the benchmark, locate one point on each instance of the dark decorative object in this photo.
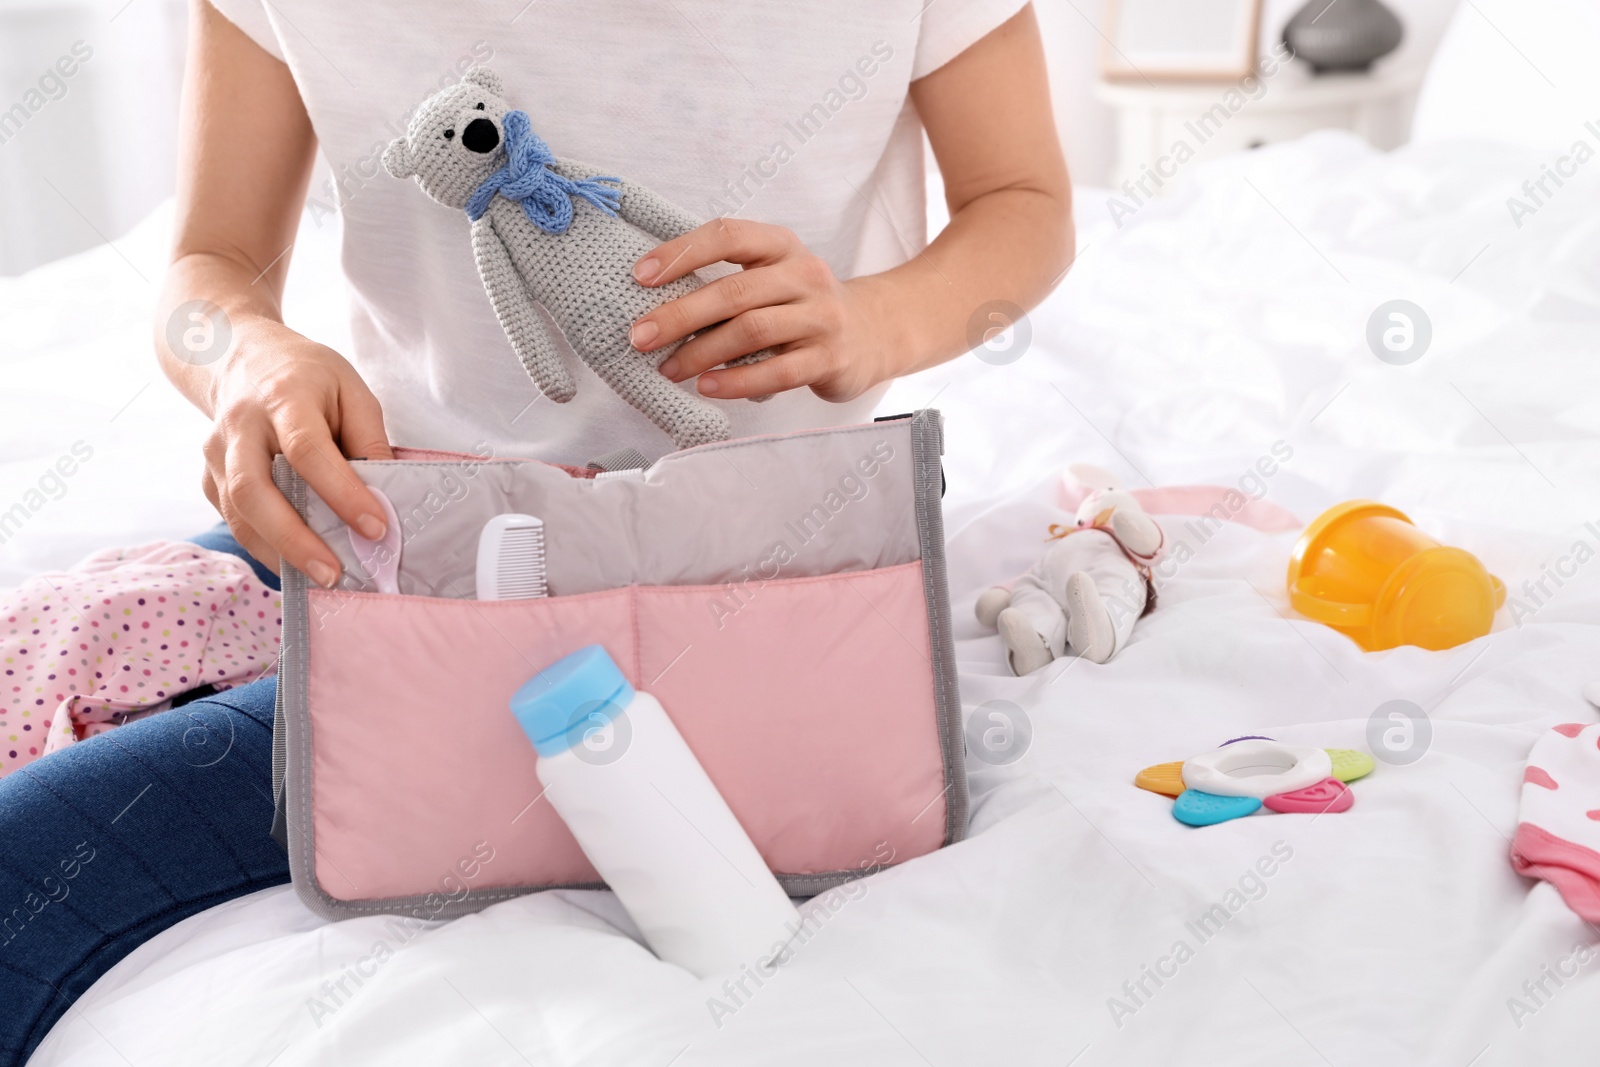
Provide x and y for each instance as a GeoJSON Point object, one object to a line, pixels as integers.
{"type": "Point", "coordinates": [1343, 35]}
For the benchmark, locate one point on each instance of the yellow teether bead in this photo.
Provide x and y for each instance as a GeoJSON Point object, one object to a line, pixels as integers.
{"type": "Point", "coordinates": [1163, 778]}
{"type": "Point", "coordinates": [1348, 764]}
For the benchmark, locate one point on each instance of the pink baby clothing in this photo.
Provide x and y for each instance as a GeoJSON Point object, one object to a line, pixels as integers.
{"type": "Point", "coordinates": [1558, 831]}
{"type": "Point", "coordinates": [120, 635]}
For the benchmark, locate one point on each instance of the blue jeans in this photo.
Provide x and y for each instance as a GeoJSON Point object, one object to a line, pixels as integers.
{"type": "Point", "coordinates": [107, 843]}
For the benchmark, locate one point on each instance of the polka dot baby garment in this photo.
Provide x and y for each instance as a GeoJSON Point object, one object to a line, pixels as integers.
{"type": "Point", "coordinates": [120, 635]}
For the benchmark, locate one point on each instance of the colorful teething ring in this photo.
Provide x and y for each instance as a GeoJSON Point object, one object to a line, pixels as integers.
{"type": "Point", "coordinates": [1211, 787]}
{"type": "Point", "coordinates": [1275, 768]}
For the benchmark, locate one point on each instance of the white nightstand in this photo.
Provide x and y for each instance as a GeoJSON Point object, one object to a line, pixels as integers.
{"type": "Point", "coordinates": [1212, 118]}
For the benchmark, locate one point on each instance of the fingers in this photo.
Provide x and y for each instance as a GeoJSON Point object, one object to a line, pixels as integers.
{"type": "Point", "coordinates": [361, 432]}
{"type": "Point", "coordinates": [765, 327]}
{"type": "Point", "coordinates": [251, 503]}
{"type": "Point", "coordinates": [714, 303]}
{"type": "Point", "coordinates": [308, 445]}
{"type": "Point", "coordinates": [257, 546]}
{"type": "Point", "coordinates": [283, 393]}
{"type": "Point", "coordinates": [248, 539]}
{"type": "Point", "coordinates": [787, 370]}
{"type": "Point", "coordinates": [734, 240]}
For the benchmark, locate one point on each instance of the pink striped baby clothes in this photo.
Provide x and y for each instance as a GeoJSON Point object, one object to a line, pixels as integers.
{"type": "Point", "coordinates": [1558, 831]}
{"type": "Point", "coordinates": [120, 635]}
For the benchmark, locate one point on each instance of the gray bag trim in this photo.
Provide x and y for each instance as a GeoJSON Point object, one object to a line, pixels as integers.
{"type": "Point", "coordinates": [291, 760]}
{"type": "Point", "coordinates": [927, 445]}
{"type": "Point", "coordinates": [291, 664]}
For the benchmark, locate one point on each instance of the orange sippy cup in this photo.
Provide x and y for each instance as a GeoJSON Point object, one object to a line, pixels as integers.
{"type": "Point", "coordinates": [1365, 570]}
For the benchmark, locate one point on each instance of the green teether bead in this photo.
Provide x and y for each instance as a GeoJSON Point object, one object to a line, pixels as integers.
{"type": "Point", "coordinates": [1348, 764]}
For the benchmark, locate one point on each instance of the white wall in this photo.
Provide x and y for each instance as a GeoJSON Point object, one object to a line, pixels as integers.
{"type": "Point", "coordinates": [1072, 30]}
{"type": "Point", "coordinates": [87, 166]}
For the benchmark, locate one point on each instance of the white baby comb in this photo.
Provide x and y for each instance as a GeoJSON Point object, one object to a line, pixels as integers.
{"type": "Point", "coordinates": [511, 558]}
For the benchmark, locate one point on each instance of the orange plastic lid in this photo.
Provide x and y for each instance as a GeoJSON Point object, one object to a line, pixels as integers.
{"type": "Point", "coordinates": [1311, 541]}
{"type": "Point", "coordinates": [1306, 593]}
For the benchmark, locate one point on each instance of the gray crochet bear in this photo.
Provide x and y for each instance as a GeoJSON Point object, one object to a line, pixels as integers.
{"type": "Point", "coordinates": [548, 231]}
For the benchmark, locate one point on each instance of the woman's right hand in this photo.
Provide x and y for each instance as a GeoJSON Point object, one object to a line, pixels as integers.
{"type": "Point", "coordinates": [245, 161]}
{"type": "Point", "coordinates": [279, 392]}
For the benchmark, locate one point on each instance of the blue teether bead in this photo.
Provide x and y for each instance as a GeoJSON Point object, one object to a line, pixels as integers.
{"type": "Point", "coordinates": [1205, 809]}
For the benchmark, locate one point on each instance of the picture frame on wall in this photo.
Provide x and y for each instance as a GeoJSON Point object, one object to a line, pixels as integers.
{"type": "Point", "coordinates": [1180, 40]}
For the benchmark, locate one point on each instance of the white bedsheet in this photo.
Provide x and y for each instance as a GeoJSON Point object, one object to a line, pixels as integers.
{"type": "Point", "coordinates": [1179, 350]}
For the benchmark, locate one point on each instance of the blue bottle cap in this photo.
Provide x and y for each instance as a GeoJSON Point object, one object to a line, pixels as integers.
{"type": "Point", "coordinates": [554, 706]}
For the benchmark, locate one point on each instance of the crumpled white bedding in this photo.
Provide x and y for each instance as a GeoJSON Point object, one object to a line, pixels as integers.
{"type": "Point", "coordinates": [1180, 349]}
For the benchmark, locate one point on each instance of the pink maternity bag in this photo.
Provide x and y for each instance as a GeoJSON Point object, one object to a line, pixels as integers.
{"type": "Point", "coordinates": [783, 597]}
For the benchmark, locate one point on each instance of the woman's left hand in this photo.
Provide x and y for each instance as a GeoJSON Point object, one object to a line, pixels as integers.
{"type": "Point", "coordinates": [786, 299]}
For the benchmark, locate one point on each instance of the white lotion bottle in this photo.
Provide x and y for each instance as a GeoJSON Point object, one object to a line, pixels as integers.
{"type": "Point", "coordinates": [644, 811]}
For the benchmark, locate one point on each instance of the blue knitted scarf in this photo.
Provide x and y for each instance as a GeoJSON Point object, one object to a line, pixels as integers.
{"type": "Point", "coordinates": [546, 196]}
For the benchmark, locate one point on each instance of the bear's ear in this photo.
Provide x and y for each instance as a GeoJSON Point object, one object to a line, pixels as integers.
{"type": "Point", "coordinates": [397, 159]}
{"type": "Point", "coordinates": [487, 78]}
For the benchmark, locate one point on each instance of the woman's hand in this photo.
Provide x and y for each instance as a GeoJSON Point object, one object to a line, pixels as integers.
{"type": "Point", "coordinates": [247, 151]}
{"type": "Point", "coordinates": [279, 392]}
{"type": "Point", "coordinates": [787, 299]}
{"type": "Point", "coordinates": [1009, 241]}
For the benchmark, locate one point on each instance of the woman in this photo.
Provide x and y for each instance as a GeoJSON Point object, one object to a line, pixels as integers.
{"type": "Point", "coordinates": [808, 118]}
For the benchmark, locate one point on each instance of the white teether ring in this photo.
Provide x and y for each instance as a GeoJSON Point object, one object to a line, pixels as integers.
{"type": "Point", "coordinates": [1257, 768]}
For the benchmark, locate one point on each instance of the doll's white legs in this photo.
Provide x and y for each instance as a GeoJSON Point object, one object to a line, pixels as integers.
{"type": "Point", "coordinates": [991, 602]}
{"type": "Point", "coordinates": [1089, 626]}
{"type": "Point", "coordinates": [1102, 608]}
{"type": "Point", "coordinates": [1033, 628]}
{"type": "Point", "coordinates": [1038, 627]}
{"type": "Point", "coordinates": [1083, 594]}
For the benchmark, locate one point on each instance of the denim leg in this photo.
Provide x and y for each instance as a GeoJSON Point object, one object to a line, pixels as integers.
{"type": "Point", "coordinates": [108, 842]}
{"type": "Point", "coordinates": [219, 539]}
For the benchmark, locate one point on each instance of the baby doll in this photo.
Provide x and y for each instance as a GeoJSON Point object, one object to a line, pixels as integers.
{"type": "Point", "coordinates": [1088, 590]}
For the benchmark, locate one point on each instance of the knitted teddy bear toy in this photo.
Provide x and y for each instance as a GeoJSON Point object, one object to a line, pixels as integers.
{"type": "Point", "coordinates": [1092, 584]}
{"type": "Point", "coordinates": [548, 231]}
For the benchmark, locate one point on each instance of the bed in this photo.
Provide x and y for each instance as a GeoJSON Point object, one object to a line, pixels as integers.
{"type": "Point", "coordinates": [1183, 345]}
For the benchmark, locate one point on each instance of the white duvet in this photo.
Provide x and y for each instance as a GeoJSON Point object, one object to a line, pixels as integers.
{"type": "Point", "coordinates": [1080, 923]}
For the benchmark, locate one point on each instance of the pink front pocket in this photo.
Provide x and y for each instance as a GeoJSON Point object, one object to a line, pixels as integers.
{"type": "Point", "coordinates": [810, 702]}
{"type": "Point", "coordinates": [418, 769]}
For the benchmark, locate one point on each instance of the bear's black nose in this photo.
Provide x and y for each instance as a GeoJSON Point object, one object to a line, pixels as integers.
{"type": "Point", "coordinates": [480, 136]}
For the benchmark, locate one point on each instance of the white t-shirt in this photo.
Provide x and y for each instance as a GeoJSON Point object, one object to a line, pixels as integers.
{"type": "Point", "coordinates": [790, 113]}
